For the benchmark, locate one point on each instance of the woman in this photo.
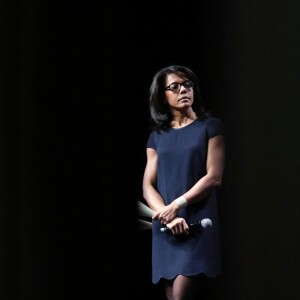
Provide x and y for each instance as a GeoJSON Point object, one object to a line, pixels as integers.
{"type": "Point", "coordinates": [185, 162]}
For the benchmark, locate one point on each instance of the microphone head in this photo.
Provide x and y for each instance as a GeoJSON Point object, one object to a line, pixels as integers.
{"type": "Point", "coordinates": [206, 223]}
{"type": "Point", "coordinates": [164, 229]}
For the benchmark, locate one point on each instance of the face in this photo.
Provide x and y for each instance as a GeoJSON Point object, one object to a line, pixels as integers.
{"type": "Point", "coordinates": [184, 98]}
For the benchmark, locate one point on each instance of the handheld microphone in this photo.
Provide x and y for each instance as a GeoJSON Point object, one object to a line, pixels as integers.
{"type": "Point", "coordinates": [196, 226]}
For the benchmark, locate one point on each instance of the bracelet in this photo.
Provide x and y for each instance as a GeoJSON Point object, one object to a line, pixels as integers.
{"type": "Point", "coordinates": [181, 202]}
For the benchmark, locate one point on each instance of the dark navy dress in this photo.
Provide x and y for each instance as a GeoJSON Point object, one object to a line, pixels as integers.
{"type": "Point", "coordinates": [182, 156]}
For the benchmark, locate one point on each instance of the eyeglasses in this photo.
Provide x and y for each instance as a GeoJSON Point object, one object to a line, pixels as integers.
{"type": "Point", "coordinates": [176, 86]}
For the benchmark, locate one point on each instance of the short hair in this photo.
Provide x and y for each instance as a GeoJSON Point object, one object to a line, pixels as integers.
{"type": "Point", "coordinates": [160, 113]}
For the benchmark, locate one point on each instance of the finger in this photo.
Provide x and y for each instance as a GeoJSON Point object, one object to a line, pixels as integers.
{"type": "Point", "coordinates": [186, 228]}
{"type": "Point", "coordinates": [166, 219]}
{"type": "Point", "coordinates": [175, 230]}
{"type": "Point", "coordinates": [159, 217]}
{"type": "Point", "coordinates": [162, 221]}
{"type": "Point", "coordinates": [182, 231]}
{"type": "Point", "coordinates": [172, 227]}
{"type": "Point", "coordinates": [180, 228]}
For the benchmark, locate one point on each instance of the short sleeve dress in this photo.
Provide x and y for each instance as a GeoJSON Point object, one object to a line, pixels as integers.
{"type": "Point", "coordinates": [181, 163]}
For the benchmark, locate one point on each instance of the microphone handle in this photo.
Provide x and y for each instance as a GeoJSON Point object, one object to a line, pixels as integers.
{"type": "Point", "coordinates": [195, 226]}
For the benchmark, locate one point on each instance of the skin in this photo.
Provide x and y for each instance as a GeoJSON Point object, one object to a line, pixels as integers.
{"type": "Point", "coordinates": [180, 105]}
{"type": "Point", "coordinates": [182, 287]}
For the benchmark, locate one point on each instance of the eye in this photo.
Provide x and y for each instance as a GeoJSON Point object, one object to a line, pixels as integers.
{"type": "Point", "coordinates": [174, 86]}
{"type": "Point", "coordinates": [188, 84]}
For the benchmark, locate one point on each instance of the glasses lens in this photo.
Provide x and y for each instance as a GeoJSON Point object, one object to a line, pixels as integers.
{"type": "Point", "coordinates": [188, 84]}
{"type": "Point", "coordinates": [175, 86]}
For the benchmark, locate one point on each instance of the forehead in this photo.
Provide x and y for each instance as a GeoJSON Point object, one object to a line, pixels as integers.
{"type": "Point", "coordinates": [180, 77]}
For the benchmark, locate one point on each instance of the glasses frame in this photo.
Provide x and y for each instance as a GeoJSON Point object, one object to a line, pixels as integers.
{"type": "Point", "coordinates": [180, 84]}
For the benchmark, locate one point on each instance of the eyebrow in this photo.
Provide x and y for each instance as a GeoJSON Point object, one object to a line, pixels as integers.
{"type": "Point", "coordinates": [178, 81]}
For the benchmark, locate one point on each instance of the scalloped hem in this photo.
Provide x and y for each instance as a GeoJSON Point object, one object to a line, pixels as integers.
{"type": "Point", "coordinates": [189, 274]}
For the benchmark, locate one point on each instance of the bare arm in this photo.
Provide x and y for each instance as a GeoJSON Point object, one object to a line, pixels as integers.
{"type": "Point", "coordinates": [150, 194]}
{"type": "Point", "coordinates": [209, 182]}
{"type": "Point", "coordinates": [153, 198]}
{"type": "Point", "coordinates": [214, 166]}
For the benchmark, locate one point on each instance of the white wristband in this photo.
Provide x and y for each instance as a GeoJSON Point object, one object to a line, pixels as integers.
{"type": "Point", "coordinates": [181, 202]}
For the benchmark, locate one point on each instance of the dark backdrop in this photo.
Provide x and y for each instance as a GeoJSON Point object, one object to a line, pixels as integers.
{"type": "Point", "coordinates": [74, 123]}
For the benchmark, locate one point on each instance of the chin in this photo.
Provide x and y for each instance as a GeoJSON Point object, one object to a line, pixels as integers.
{"type": "Point", "coordinates": [186, 104]}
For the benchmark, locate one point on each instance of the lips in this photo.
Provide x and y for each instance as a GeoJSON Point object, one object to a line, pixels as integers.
{"type": "Point", "coordinates": [184, 98]}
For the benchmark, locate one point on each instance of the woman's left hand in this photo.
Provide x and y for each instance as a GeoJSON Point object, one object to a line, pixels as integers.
{"type": "Point", "coordinates": [166, 214]}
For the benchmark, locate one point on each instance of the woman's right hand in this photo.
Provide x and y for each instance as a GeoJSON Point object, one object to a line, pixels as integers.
{"type": "Point", "coordinates": [179, 226]}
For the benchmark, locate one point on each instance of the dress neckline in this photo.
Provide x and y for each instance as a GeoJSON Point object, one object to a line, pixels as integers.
{"type": "Point", "coordinates": [178, 128]}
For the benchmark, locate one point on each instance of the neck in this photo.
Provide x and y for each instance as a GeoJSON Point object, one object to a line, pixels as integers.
{"type": "Point", "coordinates": [183, 118]}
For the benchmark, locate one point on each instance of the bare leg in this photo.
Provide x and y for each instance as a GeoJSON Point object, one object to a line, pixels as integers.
{"type": "Point", "coordinates": [185, 288]}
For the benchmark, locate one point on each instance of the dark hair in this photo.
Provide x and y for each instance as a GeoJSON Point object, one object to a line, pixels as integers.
{"type": "Point", "coordinates": [160, 114]}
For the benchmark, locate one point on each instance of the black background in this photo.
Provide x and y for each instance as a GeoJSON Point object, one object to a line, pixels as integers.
{"type": "Point", "coordinates": [74, 122]}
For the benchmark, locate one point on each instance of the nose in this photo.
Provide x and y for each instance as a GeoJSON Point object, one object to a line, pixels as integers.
{"type": "Point", "coordinates": [183, 89]}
